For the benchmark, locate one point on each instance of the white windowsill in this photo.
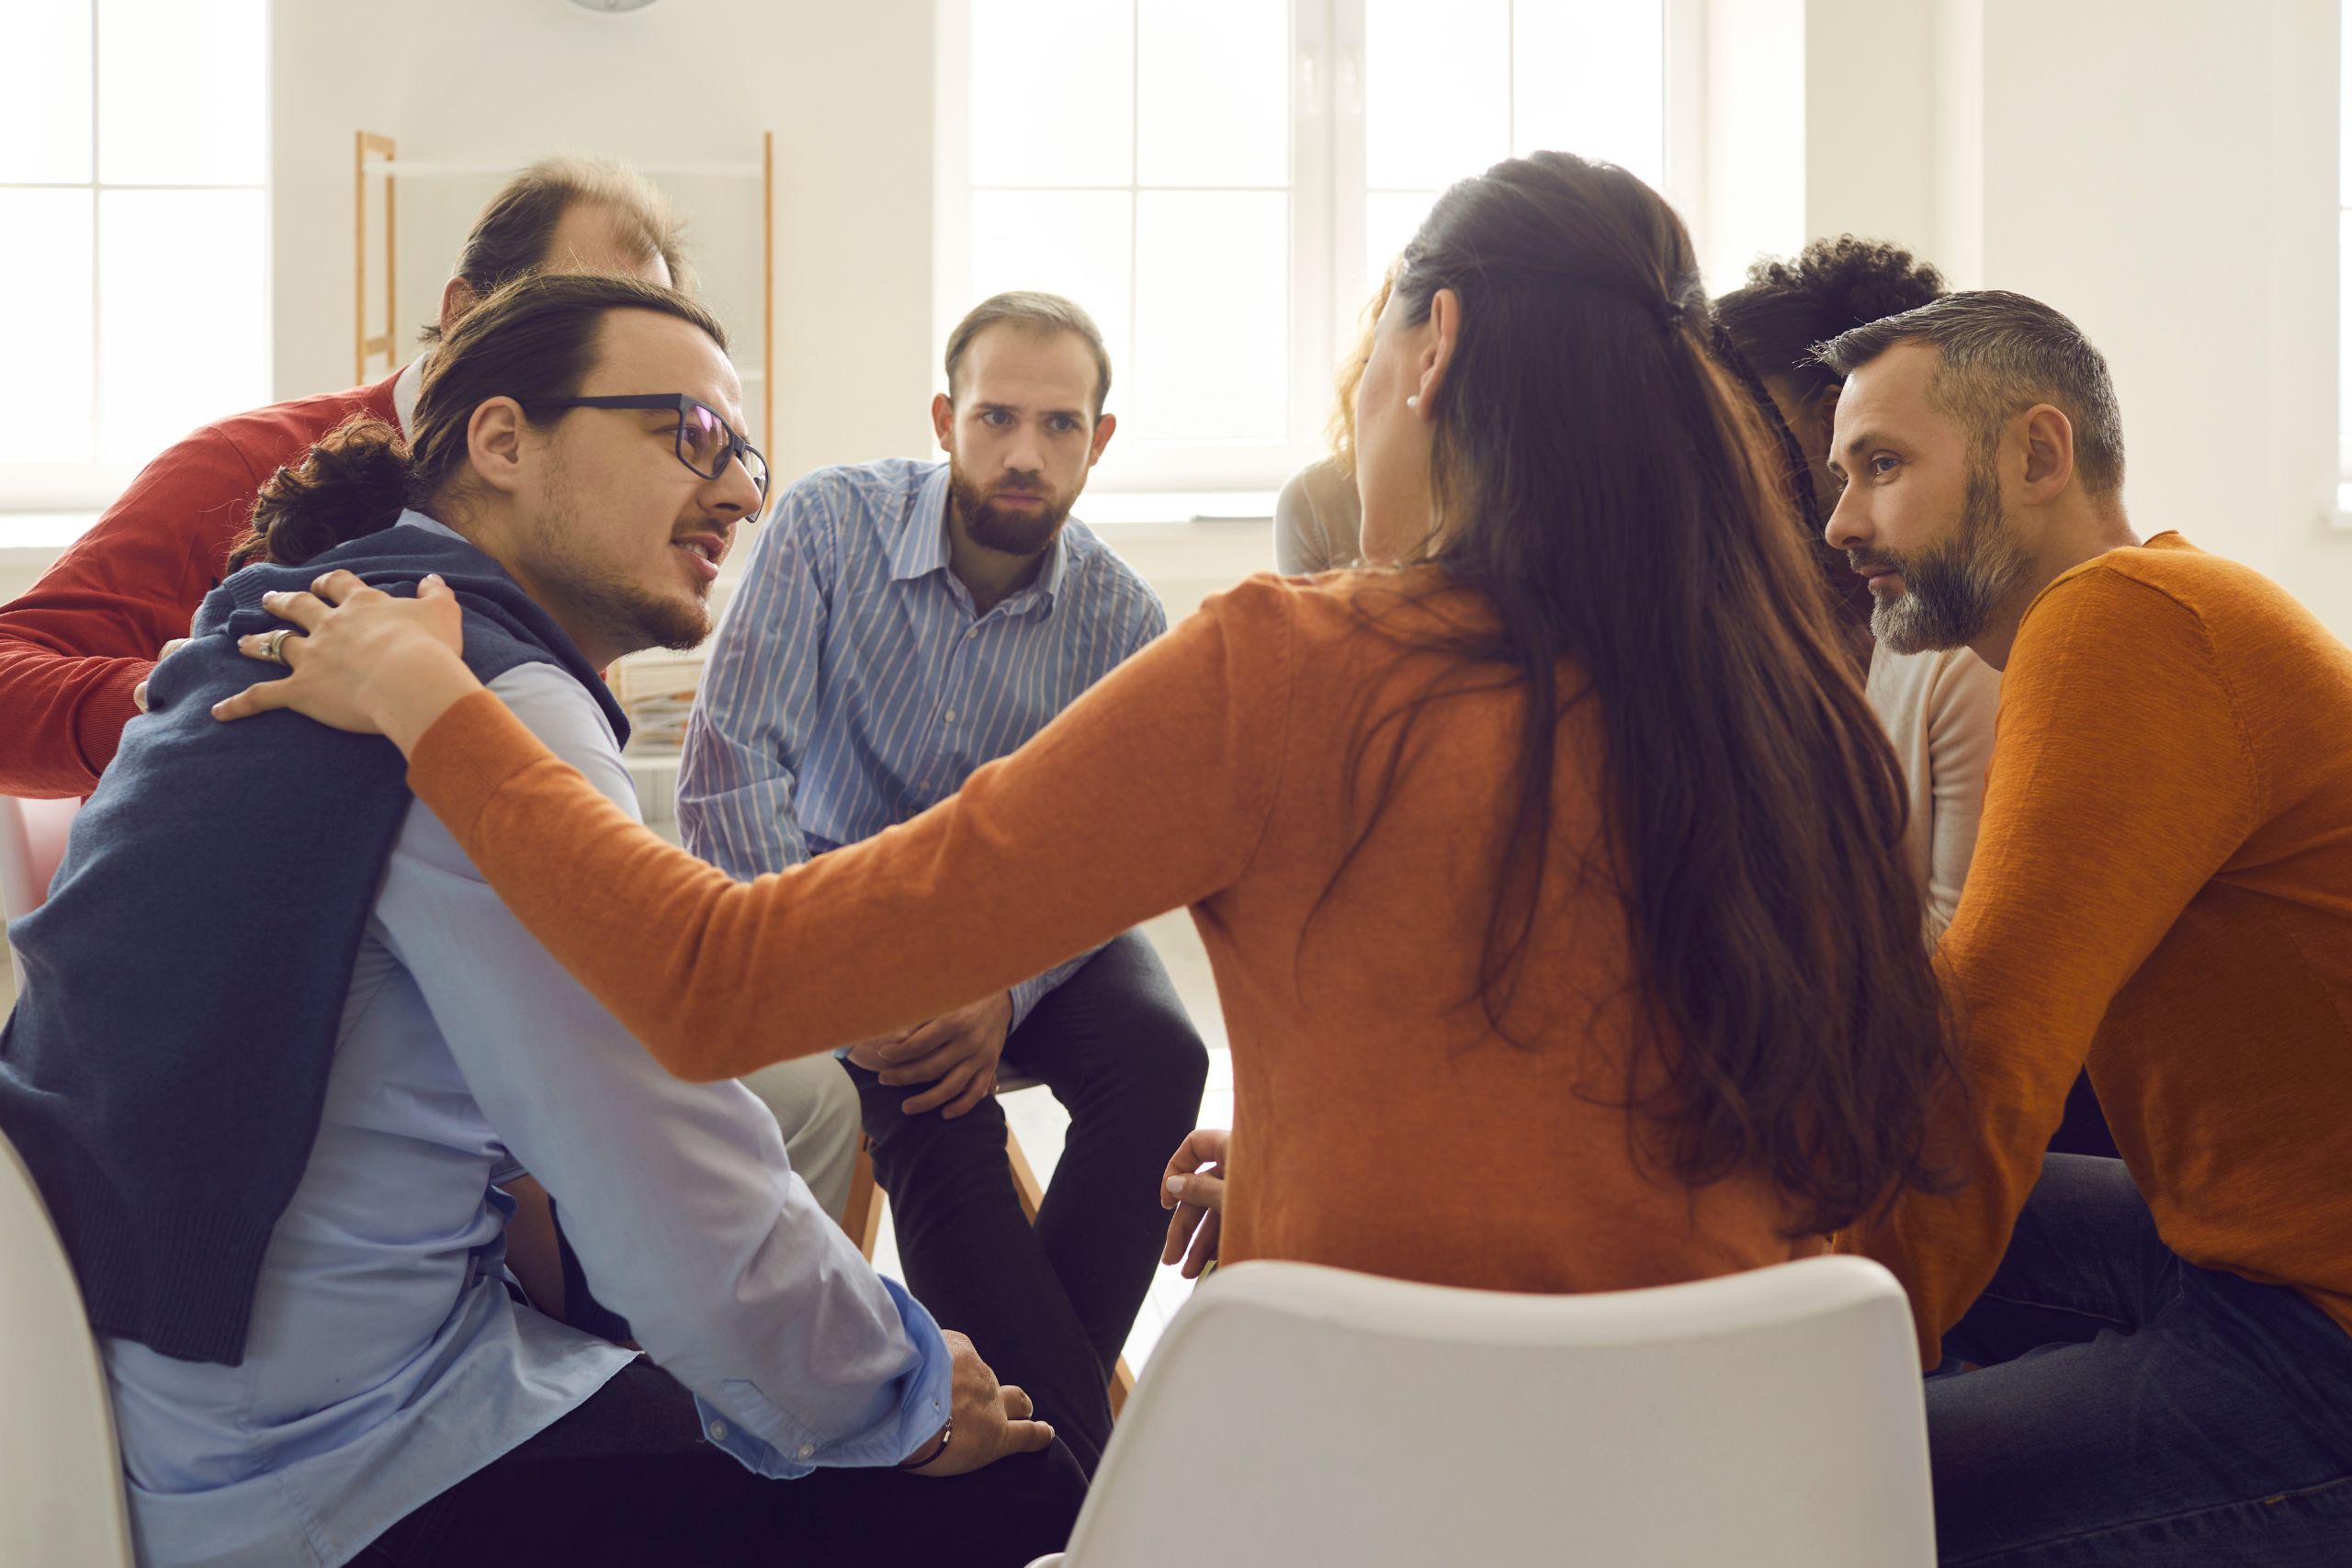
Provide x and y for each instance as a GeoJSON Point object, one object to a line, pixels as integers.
{"type": "Point", "coordinates": [1125, 509]}
{"type": "Point", "coordinates": [41, 533]}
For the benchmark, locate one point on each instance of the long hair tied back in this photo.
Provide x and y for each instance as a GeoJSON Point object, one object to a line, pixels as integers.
{"type": "Point", "coordinates": [1613, 493]}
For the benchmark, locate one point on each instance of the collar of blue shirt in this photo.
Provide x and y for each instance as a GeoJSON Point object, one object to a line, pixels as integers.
{"type": "Point", "coordinates": [922, 547]}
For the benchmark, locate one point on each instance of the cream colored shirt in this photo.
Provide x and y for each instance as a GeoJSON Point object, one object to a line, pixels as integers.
{"type": "Point", "coordinates": [1319, 522]}
{"type": "Point", "coordinates": [1939, 709]}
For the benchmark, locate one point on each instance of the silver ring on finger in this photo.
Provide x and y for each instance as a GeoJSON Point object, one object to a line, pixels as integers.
{"type": "Point", "coordinates": [273, 646]}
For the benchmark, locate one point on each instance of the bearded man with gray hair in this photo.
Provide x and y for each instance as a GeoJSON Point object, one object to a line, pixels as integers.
{"type": "Point", "coordinates": [2162, 891]}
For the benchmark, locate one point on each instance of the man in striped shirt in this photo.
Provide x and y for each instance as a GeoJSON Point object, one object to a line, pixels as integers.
{"type": "Point", "coordinates": [899, 624]}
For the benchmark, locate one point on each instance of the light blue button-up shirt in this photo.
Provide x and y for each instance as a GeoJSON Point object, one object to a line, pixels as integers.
{"type": "Point", "coordinates": [851, 685]}
{"type": "Point", "coordinates": [386, 1360]}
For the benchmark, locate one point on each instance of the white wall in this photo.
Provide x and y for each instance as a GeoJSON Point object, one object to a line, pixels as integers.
{"type": "Point", "coordinates": [2163, 170]}
{"type": "Point", "coordinates": [847, 89]}
{"type": "Point", "coordinates": [2164, 173]}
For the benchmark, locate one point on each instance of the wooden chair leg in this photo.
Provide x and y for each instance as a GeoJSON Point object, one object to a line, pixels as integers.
{"type": "Point", "coordinates": [861, 1215]}
{"type": "Point", "coordinates": [1024, 1178]}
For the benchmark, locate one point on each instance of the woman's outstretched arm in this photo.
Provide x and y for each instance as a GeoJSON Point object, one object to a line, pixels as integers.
{"type": "Point", "coordinates": [1149, 793]}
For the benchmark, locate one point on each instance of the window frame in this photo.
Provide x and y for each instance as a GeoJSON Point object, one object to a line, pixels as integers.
{"type": "Point", "coordinates": [1328, 209]}
{"type": "Point", "coordinates": [92, 485]}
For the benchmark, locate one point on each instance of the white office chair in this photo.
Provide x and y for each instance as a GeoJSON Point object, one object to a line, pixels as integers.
{"type": "Point", "coordinates": [60, 1475]}
{"type": "Point", "coordinates": [1298, 1416]}
{"type": "Point", "coordinates": [32, 840]}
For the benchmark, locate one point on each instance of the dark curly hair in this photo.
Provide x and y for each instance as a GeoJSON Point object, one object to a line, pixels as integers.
{"type": "Point", "coordinates": [1832, 287]}
{"type": "Point", "coordinates": [1770, 327]}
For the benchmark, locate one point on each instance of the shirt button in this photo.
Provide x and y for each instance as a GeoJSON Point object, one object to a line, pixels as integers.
{"type": "Point", "coordinates": [719, 1431]}
{"type": "Point", "coordinates": [949, 716]}
{"type": "Point", "coordinates": [808, 1450]}
{"type": "Point", "coordinates": [970, 635]}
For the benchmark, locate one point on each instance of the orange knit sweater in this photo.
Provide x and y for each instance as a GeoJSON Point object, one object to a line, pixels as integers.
{"type": "Point", "coordinates": [2162, 889]}
{"type": "Point", "coordinates": [1379, 1125]}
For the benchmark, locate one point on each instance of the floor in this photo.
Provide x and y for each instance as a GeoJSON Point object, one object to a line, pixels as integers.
{"type": "Point", "coordinates": [1038, 1122]}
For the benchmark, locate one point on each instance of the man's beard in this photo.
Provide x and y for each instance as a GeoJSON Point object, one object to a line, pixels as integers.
{"type": "Point", "coordinates": [1952, 588]}
{"type": "Point", "coordinates": [623, 613]}
{"type": "Point", "coordinates": [1003, 530]}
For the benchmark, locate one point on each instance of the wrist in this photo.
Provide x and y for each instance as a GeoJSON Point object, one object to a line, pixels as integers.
{"type": "Point", "coordinates": [418, 694]}
{"type": "Point", "coordinates": [932, 1452]}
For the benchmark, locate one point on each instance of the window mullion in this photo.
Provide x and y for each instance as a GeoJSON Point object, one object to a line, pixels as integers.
{"type": "Point", "coordinates": [98, 237]}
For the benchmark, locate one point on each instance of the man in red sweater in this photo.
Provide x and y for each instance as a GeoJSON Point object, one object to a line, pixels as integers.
{"type": "Point", "coordinates": [76, 648]}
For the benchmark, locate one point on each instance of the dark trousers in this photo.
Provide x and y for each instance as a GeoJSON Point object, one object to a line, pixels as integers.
{"type": "Point", "coordinates": [627, 1480]}
{"type": "Point", "coordinates": [1049, 1306]}
{"type": "Point", "coordinates": [2134, 1408]}
{"type": "Point", "coordinates": [2081, 1130]}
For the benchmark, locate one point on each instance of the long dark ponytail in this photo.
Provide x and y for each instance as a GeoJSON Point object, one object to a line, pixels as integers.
{"type": "Point", "coordinates": [1616, 498]}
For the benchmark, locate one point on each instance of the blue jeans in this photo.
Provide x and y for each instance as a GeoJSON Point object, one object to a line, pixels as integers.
{"type": "Point", "coordinates": [2134, 1408]}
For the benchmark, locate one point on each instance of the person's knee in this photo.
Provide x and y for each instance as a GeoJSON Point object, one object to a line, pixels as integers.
{"type": "Point", "coordinates": [1035, 1498]}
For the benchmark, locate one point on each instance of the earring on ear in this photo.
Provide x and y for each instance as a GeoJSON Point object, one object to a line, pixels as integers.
{"type": "Point", "coordinates": [1413, 401]}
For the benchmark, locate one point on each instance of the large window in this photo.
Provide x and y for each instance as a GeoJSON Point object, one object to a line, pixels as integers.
{"type": "Point", "coordinates": [133, 235]}
{"type": "Point", "coordinates": [1222, 182]}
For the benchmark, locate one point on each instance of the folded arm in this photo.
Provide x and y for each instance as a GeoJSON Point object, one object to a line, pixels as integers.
{"type": "Point", "coordinates": [77, 643]}
{"type": "Point", "coordinates": [2121, 785]}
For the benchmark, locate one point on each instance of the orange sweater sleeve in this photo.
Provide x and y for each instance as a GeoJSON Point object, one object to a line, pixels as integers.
{"type": "Point", "coordinates": [1149, 793]}
{"type": "Point", "coordinates": [2121, 782]}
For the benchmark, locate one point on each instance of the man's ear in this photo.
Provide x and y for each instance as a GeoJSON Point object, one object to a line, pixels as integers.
{"type": "Point", "coordinates": [943, 423]}
{"type": "Point", "coordinates": [2049, 438]}
{"type": "Point", "coordinates": [1105, 424]}
{"type": "Point", "coordinates": [1825, 410]}
{"type": "Point", "coordinates": [458, 297]}
{"type": "Point", "coordinates": [494, 445]}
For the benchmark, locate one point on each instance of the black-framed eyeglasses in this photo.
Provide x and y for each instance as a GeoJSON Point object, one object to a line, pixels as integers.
{"type": "Point", "coordinates": [706, 443]}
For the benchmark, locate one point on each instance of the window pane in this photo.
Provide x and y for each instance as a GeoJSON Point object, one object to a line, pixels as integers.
{"type": "Point", "coordinates": [1053, 92]}
{"type": "Point", "coordinates": [1216, 93]}
{"type": "Point", "coordinates": [1213, 316]}
{"type": "Point", "coordinates": [45, 92]}
{"type": "Point", "coordinates": [1589, 77]}
{"type": "Point", "coordinates": [1074, 243]}
{"type": "Point", "coordinates": [2344, 342]}
{"type": "Point", "coordinates": [45, 267]}
{"type": "Point", "coordinates": [183, 92]}
{"type": "Point", "coordinates": [181, 343]}
{"type": "Point", "coordinates": [1437, 91]}
{"type": "Point", "coordinates": [1390, 219]}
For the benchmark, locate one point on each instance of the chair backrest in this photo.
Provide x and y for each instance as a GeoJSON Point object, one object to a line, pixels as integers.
{"type": "Point", "coordinates": [1297, 1415]}
{"type": "Point", "coordinates": [60, 1475]}
{"type": "Point", "coordinates": [32, 842]}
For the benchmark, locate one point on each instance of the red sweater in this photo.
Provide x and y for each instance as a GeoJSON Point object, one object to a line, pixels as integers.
{"type": "Point", "coordinates": [72, 647]}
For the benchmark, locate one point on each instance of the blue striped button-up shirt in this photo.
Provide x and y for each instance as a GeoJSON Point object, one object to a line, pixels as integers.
{"type": "Point", "coordinates": [851, 685]}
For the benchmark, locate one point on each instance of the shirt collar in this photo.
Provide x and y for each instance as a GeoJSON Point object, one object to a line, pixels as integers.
{"type": "Point", "coordinates": [404, 392]}
{"type": "Point", "coordinates": [412, 518]}
{"type": "Point", "coordinates": [922, 548]}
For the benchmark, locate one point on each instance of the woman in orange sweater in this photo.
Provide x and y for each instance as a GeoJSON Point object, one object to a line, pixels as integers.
{"type": "Point", "coordinates": [1562, 863]}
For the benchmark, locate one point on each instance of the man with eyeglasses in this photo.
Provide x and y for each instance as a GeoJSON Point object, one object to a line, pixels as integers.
{"type": "Point", "coordinates": [76, 648]}
{"type": "Point", "coordinates": [901, 624]}
{"type": "Point", "coordinates": [276, 1161]}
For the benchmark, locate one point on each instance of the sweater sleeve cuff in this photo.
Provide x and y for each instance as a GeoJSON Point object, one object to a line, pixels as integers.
{"type": "Point", "coordinates": [104, 710]}
{"type": "Point", "coordinates": [467, 756]}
